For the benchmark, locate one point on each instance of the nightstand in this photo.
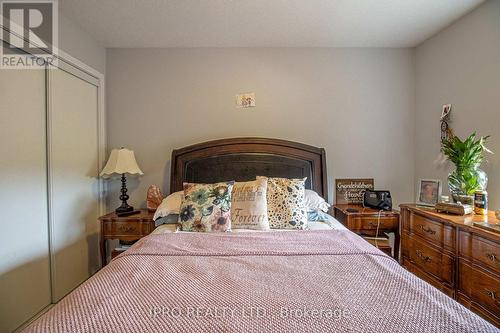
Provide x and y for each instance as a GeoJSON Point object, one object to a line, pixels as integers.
{"type": "Point", "coordinates": [126, 229]}
{"type": "Point", "coordinates": [364, 221]}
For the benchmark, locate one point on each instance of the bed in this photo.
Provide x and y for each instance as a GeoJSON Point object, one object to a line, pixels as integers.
{"type": "Point", "coordinates": [298, 281]}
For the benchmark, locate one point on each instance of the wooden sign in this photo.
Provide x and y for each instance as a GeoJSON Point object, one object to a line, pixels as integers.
{"type": "Point", "coordinates": [351, 191]}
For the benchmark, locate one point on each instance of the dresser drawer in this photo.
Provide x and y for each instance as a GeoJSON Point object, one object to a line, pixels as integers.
{"type": "Point", "coordinates": [480, 287]}
{"type": "Point", "coordinates": [480, 250]}
{"type": "Point", "coordinates": [429, 259]}
{"type": "Point", "coordinates": [436, 232]}
{"type": "Point", "coordinates": [465, 301]}
{"type": "Point", "coordinates": [371, 222]}
{"type": "Point", "coordinates": [125, 228]}
{"type": "Point", "coordinates": [428, 278]}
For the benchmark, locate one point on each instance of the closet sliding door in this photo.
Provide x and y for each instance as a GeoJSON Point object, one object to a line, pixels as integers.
{"type": "Point", "coordinates": [24, 245]}
{"type": "Point", "coordinates": [51, 148]}
{"type": "Point", "coordinates": [73, 177]}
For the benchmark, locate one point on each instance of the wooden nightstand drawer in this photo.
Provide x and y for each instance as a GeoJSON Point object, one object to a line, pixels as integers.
{"type": "Point", "coordinates": [429, 259]}
{"type": "Point", "coordinates": [436, 232]}
{"type": "Point", "coordinates": [123, 228]}
{"type": "Point", "coordinates": [371, 222]}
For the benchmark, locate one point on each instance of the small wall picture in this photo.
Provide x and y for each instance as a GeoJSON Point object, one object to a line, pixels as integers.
{"type": "Point", "coordinates": [429, 192]}
{"type": "Point", "coordinates": [245, 100]}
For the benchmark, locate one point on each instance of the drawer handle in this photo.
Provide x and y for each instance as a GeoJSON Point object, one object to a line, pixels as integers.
{"type": "Point", "coordinates": [421, 255]}
{"type": "Point", "coordinates": [126, 228]}
{"type": "Point", "coordinates": [492, 257]}
{"type": "Point", "coordinates": [427, 230]}
{"type": "Point", "coordinates": [492, 294]}
{"type": "Point", "coordinates": [374, 224]}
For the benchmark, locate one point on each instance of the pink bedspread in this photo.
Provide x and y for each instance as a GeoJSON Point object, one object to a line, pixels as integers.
{"type": "Point", "coordinates": [304, 281]}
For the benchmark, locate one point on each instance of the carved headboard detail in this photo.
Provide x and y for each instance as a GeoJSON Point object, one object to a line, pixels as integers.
{"type": "Point", "coordinates": [242, 159]}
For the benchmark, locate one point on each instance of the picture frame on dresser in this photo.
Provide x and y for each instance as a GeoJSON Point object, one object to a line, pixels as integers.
{"type": "Point", "coordinates": [429, 192]}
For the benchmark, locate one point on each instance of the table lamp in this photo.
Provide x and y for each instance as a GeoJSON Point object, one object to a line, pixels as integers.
{"type": "Point", "coordinates": [122, 161]}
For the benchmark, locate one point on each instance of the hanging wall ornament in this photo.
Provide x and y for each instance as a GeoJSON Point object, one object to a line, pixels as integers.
{"type": "Point", "coordinates": [446, 132]}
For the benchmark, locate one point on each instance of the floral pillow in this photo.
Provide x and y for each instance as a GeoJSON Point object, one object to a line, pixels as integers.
{"type": "Point", "coordinates": [285, 203]}
{"type": "Point", "coordinates": [206, 207]}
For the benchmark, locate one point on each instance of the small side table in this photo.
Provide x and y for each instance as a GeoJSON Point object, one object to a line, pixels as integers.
{"type": "Point", "coordinates": [126, 229]}
{"type": "Point", "coordinates": [364, 221]}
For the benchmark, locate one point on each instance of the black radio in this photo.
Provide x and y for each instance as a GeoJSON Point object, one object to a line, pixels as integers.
{"type": "Point", "coordinates": [377, 199]}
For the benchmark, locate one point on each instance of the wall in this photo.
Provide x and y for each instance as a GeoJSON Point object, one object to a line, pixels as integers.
{"type": "Point", "coordinates": [77, 43]}
{"type": "Point", "coordinates": [460, 65]}
{"type": "Point", "coordinates": [356, 103]}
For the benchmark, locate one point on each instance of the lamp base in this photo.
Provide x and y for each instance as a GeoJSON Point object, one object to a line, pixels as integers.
{"type": "Point", "coordinates": [124, 209]}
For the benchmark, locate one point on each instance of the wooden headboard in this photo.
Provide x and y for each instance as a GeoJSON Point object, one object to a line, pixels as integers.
{"type": "Point", "coordinates": [242, 159]}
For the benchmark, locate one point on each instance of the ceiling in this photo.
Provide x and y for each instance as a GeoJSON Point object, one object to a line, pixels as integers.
{"type": "Point", "coordinates": [263, 23]}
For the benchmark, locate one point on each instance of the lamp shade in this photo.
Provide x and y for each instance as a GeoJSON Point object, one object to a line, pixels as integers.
{"type": "Point", "coordinates": [121, 161]}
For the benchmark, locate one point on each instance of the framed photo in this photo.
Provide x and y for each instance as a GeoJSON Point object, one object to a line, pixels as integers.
{"type": "Point", "coordinates": [429, 192]}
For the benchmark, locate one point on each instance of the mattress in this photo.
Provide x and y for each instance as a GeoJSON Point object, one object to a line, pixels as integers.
{"type": "Point", "coordinates": [307, 281]}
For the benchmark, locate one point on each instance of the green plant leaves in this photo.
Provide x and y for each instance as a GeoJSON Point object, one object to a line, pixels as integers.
{"type": "Point", "coordinates": [465, 154]}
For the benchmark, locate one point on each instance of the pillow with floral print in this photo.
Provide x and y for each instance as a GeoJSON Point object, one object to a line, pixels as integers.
{"type": "Point", "coordinates": [206, 207]}
{"type": "Point", "coordinates": [285, 203]}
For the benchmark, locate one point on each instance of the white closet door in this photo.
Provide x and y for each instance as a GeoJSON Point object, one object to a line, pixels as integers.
{"type": "Point", "coordinates": [73, 183]}
{"type": "Point", "coordinates": [24, 245]}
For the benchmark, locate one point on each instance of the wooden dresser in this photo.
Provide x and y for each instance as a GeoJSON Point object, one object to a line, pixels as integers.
{"type": "Point", "coordinates": [456, 257]}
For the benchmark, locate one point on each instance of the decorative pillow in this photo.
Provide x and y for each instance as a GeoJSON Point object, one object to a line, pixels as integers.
{"type": "Point", "coordinates": [313, 202]}
{"type": "Point", "coordinates": [169, 219]}
{"type": "Point", "coordinates": [165, 229]}
{"type": "Point", "coordinates": [206, 207]}
{"type": "Point", "coordinates": [249, 205]}
{"type": "Point", "coordinates": [169, 205]}
{"type": "Point", "coordinates": [285, 203]}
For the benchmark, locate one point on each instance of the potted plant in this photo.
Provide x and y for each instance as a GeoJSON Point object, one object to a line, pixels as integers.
{"type": "Point", "coordinates": [467, 156]}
